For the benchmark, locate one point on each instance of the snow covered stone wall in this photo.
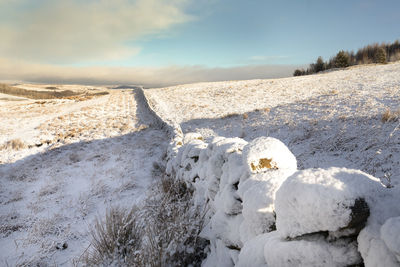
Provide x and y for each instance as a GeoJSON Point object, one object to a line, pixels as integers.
{"type": "Point", "coordinates": [262, 211]}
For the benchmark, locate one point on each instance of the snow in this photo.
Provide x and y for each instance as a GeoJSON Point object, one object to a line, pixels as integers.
{"type": "Point", "coordinates": [314, 251]}
{"type": "Point", "coordinates": [268, 153]}
{"type": "Point", "coordinates": [252, 252]}
{"type": "Point", "coordinates": [316, 200]}
{"type": "Point", "coordinates": [52, 193]}
{"type": "Point", "coordinates": [390, 234]}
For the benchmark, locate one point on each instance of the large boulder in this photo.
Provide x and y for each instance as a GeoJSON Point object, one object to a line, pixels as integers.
{"type": "Point", "coordinates": [332, 200]}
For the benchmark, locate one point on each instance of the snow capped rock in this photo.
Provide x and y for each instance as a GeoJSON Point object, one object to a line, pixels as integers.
{"type": "Point", "coordinates": [316, 200]}
{"type": "Point", "coordinates": [226, 228]}
{"type": "Point", "coordinates": [390, 234]}
{"type": "Point", "coordinates": [252, 189]}
{"type": "Point", "coordinates": [258, 196]}
{"type": "Point", "coordinates": [267, 153]}
{"type": "Point", "coordinates": [228, 201]}
{"type": "Point", "coordinates": [313, 251]}
{"type": "Point", "coordinates": [373, 249]}
{"type": "Point", "coordinates": [252, 252]}
{"type": "Point", "coordinates": [269, 162]}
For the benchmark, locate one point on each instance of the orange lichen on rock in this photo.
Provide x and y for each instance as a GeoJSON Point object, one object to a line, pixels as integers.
{"type": "Point", "coordinates": [264, 164]}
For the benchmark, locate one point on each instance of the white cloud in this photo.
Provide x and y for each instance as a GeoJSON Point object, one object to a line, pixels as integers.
{"type": "Point", "coordinates": [74, 31]}
{"type": "Point", "coordinates": [150, 77]}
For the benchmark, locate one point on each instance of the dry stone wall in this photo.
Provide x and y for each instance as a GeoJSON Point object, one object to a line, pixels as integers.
{"type": "Point", "coordinates": [262, 211]}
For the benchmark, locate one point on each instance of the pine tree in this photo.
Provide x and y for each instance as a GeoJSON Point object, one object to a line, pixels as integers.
{"type": "Point", "coordinates": [342, 60]}
{"type": "Point", "coordinates": [319, 65]}
{"type": "Point", "coordinates": [380, 56]}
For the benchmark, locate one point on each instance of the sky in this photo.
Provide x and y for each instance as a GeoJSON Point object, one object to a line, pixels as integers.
{"type": "Point", "coordinates": [159, 43]}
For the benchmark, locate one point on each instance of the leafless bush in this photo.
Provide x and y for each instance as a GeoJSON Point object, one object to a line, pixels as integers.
{"type": "Point", "coordinates": [115, 240]}
{"type": "Point", "coordinates": [164, 232]}
{"type": "Point", "coordinates": [172, 233]}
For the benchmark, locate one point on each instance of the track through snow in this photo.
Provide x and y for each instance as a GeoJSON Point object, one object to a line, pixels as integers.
{"type": "Point", "coordinates": [83, 157]}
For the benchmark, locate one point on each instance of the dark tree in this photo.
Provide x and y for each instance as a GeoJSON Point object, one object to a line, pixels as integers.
{"type": "Point", "coordinates": [299, 72]}
{"type": "Point", "coordinates": [380, 56]}
{"type": "Point", "coordinates": [319, 65]}
{"type": "Point", "coordinates": [342, 60]}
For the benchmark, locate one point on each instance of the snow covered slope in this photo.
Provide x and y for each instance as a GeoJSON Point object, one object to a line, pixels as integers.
{"type": "Point", "coordinates": [330, 119]}
{"type": "Point", "coordinates": [76, 159]}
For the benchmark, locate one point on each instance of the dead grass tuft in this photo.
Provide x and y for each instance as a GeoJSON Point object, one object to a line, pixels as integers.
{"type": "Point", "coordinates": [230, 116]}
{"type": "Point", "coordinates": [48, 189]}
{"type": "Point", "coordinates": [16, 144]}
{"type": "Point", "coordinates": [389, 115]}
{"type": "Point", "coordinates": [7, 229]}
{"type": "Point", "coordinates": [115, 240]}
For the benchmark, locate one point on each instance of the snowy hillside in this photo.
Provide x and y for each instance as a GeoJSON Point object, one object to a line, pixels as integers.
{"type": "Point", "coordinates": [269, 207]}
{"type": "Point", "coordinates": [331, 119]}
{"type": "Point", "coordinates": [64, 162]}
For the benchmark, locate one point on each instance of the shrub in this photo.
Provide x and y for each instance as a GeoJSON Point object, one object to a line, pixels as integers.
{"type": "Point", "coordinates": [164, 232]}
{"type": "Point", "coordinates": [116, 239]}
{"type": "Point", "coordinates": [299, 72]}
{"type": "Point", "coordinates": [173, 226]}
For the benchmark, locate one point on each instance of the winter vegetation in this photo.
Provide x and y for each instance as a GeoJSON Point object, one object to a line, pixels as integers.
{"type": "Point", "coordinates": [375, 53]}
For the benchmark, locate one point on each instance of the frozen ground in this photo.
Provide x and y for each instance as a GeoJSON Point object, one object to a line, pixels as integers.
{"type": "Point", "coordinates": [331, 119]}
{"type": "Point", "coordinates": [76, 158]}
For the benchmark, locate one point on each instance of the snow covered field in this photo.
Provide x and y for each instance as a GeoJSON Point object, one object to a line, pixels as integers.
{"type": "Point", "coordinates": [64, 161]}
{"type": "Point", "coordinates": [331, 119]}
{"type": "Point", "coordinates": [76, 159]}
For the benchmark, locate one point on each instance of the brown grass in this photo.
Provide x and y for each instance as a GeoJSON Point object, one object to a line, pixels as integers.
{"type": "Point", "coordinates": [230, 115]}
{"type": "Point", "coordinates": [16, 144]}
{"type": "Point", "coordinates": [36, 94]}
{"type": "Point", "coordinates": [115, 240]}
{"type": "Point", "coordinates": [389, 115]}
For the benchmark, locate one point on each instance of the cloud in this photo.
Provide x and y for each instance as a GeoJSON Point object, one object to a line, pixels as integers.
{"type": "Point", "coordinates": [149, 77]}
{"type": "Point", "coordinates": [59, 31]}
